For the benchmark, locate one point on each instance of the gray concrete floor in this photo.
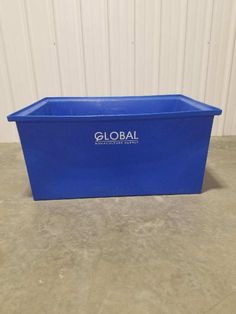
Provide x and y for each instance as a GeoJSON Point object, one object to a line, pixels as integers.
{"type": "Point", "coordinates": [139, 255]}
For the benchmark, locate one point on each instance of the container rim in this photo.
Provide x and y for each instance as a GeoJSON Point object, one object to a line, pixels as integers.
{"type": "Point", "coordinates": [25, 114]}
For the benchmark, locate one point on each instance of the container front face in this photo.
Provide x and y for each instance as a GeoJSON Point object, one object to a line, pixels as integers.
{"type": "Point", "coordinates": [115, 158]}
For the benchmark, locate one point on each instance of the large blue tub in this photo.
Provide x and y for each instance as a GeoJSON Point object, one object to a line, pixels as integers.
{"type": "Point", "coordinates": [114, 146]}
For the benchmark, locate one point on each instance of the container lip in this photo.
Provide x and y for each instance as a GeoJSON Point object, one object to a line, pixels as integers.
{"type": "Point", "coordinates": [203, 110]}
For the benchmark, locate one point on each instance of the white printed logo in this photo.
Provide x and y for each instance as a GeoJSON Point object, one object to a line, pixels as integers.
{"type": "Point", "coordinates": [116, 137]}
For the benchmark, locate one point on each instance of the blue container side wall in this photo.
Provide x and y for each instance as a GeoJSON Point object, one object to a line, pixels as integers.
{"type": "Point", "coordinates": [63, 160]}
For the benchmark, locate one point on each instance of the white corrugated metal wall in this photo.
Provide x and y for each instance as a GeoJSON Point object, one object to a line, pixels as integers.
{"type": "Point", "coordinates": [117, 47]}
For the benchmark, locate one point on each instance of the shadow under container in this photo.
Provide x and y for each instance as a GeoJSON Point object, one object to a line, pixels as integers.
{"type": "Point", "coordinates": [115, 146]}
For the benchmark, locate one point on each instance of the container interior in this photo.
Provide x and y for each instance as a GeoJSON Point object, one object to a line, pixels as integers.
{"type": "Point", "coordinates": [112, 107]}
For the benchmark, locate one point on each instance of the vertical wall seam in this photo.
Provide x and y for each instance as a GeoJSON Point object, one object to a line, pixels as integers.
{"type": "Point", "coordinates": [205, 49]}
{"type": "Point", "coordinates": [79, 48]}
{"type": "Point", "coordinates": [181, 47]}
{"type": "Point", "coordinates": [56, 44]}
{"type": "Point", "coordinates": [154, 48]}
{"type": "Point", "coordinates": [25, 8]}
{"type": "Point", "coordinates": [228, 66]}
{"type": "Point", "coordinates": [7, 67]}
{"type": "Point", "coordinates": [109, 46]}
{"type": "Point", "coordinates": [185, 46]}
{"type": "Point", "coordinates": [134, 45]}
{"type": "Point", "coordinates": [145, 54]}
{"type": "Point", "coordinates": [159, 53]}
{"type": "Point", "coordinates": [209, 51]}
{"type": "Point", "coordinates": [83, 47]}
{"type": "Point", "coordinates": [229, 83]}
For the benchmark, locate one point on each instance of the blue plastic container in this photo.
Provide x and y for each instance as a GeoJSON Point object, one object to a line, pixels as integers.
{"type": "Point", "coordinates": [114, 146]}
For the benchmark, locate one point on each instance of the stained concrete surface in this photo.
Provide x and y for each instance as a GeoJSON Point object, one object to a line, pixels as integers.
{"type": "Point", "coordinates": [141, 255]}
